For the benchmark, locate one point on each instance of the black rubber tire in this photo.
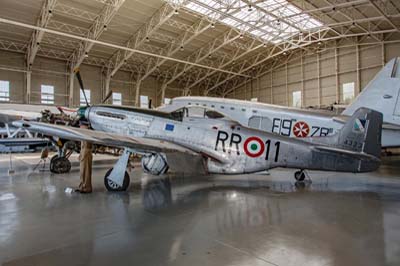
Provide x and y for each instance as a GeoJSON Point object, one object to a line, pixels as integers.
{"type": "Point", "coordinates": [51, 162]}
{"type": "Point", "coordinates": [111, 186]}
{"type": "Point", "coordinates": [60, 165]}
{"type": "Point", "coordinates": [299, 175]}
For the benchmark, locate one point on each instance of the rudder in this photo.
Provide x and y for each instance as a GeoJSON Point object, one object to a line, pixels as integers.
{"type": "Point", "coordinates": [362, 132]}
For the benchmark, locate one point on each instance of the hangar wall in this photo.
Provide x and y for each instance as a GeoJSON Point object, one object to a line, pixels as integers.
{"type": "Point", "coordinates": [320, 76]}
{"type": "Point", "coordinates": [55, 72]}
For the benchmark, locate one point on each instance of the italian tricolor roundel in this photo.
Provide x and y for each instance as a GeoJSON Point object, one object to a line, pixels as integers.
{"type": "Point", "coordinates": [254, 147]}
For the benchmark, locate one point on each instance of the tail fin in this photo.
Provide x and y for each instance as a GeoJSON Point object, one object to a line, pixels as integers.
{"type": "Point", "coordinates": [382, 94]}
{"type": "Point", "coordinates": [362, 132]}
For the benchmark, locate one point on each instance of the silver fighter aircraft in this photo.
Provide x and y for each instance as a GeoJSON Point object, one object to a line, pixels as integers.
{"type": "Point", "coordinates": [211, 143]}
{"type": "Point", "coordinates": [381, 94]}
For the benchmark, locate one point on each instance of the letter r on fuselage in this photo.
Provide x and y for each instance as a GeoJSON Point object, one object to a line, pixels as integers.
{"type": "Point", "coordinates": [235, 139]}
{"type": "Point", "coordinates": [221, 137]}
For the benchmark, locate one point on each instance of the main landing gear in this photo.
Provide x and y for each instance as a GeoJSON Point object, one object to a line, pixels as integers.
{"type": "Point", "coordinates": [59, 163]}
{"type": "Point", "coordinates": [113, 186]}
{"type": "Point", "coordinates": [117, 178]}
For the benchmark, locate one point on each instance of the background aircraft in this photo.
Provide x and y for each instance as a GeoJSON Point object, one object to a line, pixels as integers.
{"type": "Point", "coordinates": [14, 139]}
{"type": "Point", "coordinates": [381, 94]}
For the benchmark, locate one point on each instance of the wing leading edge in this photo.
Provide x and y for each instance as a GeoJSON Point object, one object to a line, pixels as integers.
{"type": "Point", "coordinates": [138, 144]}
{"type": "Point", "coordinates": [144, 145]}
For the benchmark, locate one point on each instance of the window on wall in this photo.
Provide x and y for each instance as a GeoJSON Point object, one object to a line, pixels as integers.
{"type": "Point", "coordinates": [144, 101]}
{"type": "Point", "coordinates": [296, 99]}
{"type": "Point", "coordinates": [348, 92]}
{"type": "Point", "coordinates": [82, 97]}
{"type": "Point", "coordinates": [117, 98]}
{"type": "Point", "coordinates": [4, 91]}
{"type": "Point", "coordinates": [47, 94]}
{"type": "Point", "coordinates": [167, 100]}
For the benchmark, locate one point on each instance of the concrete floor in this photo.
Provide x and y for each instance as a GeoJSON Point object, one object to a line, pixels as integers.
{"type": "Point", "coordinates": [339, 219]}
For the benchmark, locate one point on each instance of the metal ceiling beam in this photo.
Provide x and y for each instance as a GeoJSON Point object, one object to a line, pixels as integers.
{"type": "Point", "coordinates": [230, 61]}
{"type": "Point", "coordinates": [13, 46]}
{"type": "Point", "coordinates": [37, 35]}
{"type": "Point", "coordinates": [315, 36]}
{"type": "Point", "coordinates": [203, 53]}
{"type": "Point", "coordinates": [98, 27]}
{"type": "Point", "coordinates": [350, 17]}
{"type": "Point", "coordinates": [142, 36]}
{"type": "Point", "coordinates": [250, 25]}
{"type": "Point", "coordinates": [330, 8]}
{"type": "Point", "coordinates": [115, 46]}
{"type": "Point", "coordinates": [257, 60]}
{"type": "Point", "coordinates": [68, 28]}
{"type": "Point", "coordinates": [377, 8]}
{"type": "Point", "coordinates": [75, 12]}
{"type": "Point", "coordinates": [184, 39]}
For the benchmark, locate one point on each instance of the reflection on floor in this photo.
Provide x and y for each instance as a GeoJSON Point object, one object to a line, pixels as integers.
{"type": "Point", "coordinates": [258, 219]}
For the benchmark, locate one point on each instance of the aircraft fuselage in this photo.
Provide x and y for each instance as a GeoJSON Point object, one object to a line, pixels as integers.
{"type": "Point", "coordinates": [242, 149]}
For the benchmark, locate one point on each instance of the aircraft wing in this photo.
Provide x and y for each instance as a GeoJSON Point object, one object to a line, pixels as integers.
{"type": "Point", "coordinates": [353, 154]}
{"type": "Point", "coordinates": [103, 138]}
{"type": "Point", "coordinates": [139, 145]}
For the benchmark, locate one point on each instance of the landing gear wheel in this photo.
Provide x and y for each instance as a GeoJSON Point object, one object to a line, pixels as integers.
{"type": "Point", "coordinates": [112, 186]}
{"type": "Point", "coordinates": [59, 165]}
{"type": "Point", "coordinates": [51, 163]}
{"type": "Point", "coordinates": [300, 175]}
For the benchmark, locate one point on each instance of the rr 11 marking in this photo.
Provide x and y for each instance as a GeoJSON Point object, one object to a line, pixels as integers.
{"type": "Point", "coordinates": [253, 146]}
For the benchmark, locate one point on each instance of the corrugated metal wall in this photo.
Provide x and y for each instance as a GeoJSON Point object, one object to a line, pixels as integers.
{"type": "Point", "coordinates": [320, 76]}
{"type": "Point", "coordinates": [53, 72]}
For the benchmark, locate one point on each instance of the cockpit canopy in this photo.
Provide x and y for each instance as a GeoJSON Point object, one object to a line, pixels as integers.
{"type": "Point", "coordinates": [196, 112]}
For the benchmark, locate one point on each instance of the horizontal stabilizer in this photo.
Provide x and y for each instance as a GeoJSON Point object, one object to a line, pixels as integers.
{"type": "Point", "coordinates": [353, 154]}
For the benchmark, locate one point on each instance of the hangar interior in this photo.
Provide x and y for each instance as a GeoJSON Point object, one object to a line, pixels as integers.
{"type": "Point", "coordinates": [317, 54]}
{"type": "Point", "coordinates": [269, 45]}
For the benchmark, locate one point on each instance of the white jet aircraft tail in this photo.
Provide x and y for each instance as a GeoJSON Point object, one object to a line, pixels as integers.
{"type": "Point", "coordinates": [381, 94]}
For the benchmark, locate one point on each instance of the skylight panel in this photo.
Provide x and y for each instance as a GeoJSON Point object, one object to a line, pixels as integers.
{"type": "Point", "coordinates": [269, 4]}
{"type": "Point", "coordinates": [199, 9]}
{"type": "Point", "coordinates": [241, 15]}
{"type": "Point", "coordinates": [230, 22]}
{"type": "Point", "coordinates": [270, 20]}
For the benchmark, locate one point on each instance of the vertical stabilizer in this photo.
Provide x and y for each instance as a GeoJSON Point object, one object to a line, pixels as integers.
{"type": "Point", "coordinates": [362, 132]}
{"type": "Point", "coordinates": [382, 94]}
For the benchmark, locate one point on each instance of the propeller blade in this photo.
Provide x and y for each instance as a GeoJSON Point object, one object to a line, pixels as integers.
{"type": "Point", "coordinates": [107, 96]}
{"type": "Point", "coordinates": [78, 76]}
{"type": "Point", "coordinates": [61, 110]}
